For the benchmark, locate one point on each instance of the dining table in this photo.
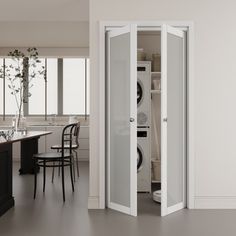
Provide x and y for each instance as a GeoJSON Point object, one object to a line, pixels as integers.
{"type": "Point", "coordinates": [29, 147]}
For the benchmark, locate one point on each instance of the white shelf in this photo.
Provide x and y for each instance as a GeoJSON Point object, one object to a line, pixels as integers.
{"type": "Point", "coordinates": [156, 181]}
{"type": "Point", "coordinates": [155, 73]}
{"type": "Point", "coordinates": [157, 91]}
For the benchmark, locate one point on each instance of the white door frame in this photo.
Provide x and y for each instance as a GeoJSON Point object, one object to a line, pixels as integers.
{"type": "Point", "coordinates": [148, 25]}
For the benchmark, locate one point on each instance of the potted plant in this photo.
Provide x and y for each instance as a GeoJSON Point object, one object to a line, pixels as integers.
{"type": "Point", "coordinates": [21, 74]}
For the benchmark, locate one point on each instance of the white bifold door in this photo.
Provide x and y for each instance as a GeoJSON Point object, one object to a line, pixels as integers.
{"type": "Point", "coordinates": [121, 119]}
{"type": "Point", "coordinates": [121, 116]}
{"type": "Point", "coordinates": [173, 109]}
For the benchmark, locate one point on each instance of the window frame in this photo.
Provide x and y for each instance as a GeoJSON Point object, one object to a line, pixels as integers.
{"type": "Point", "coordinates": [59, 92]}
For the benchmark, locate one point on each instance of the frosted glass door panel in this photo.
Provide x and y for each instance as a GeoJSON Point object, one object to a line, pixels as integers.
{"type": "Point", "coordinates": [175, 113]}
{"type": "Point", "coordinates": [173, 123]}
{"type": "Point", "coordinates": [119, 119]}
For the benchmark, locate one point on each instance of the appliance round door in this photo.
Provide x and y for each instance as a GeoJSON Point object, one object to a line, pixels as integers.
{"type": "Point", "coordinates": [140, 92]}
{"type": "Point", "coordinates": [140, 158]}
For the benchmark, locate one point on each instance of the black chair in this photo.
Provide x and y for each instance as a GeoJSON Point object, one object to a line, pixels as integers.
{"type": "Point", "coordinates": [57, 159]}
{"type": "Point", "coordinates": [74, 147]}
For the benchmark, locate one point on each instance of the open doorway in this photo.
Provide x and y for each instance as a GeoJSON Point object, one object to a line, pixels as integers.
{"type": "Point", "coordinates": [152, 132]}
{"type": "Point", "coordinates": [172, 42]}
{"type": "Point", "coordinates": [149, 122]}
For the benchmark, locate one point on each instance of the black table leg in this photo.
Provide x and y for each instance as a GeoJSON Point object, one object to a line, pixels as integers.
{"type": "Point", "coordinates": [29, 147]}
{"type": "Point", "coordinates": [6, 198]}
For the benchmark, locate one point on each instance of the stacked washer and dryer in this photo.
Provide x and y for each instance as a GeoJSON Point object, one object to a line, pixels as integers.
{"type": "Point", "coordinates": [144, 126]}
{"type": "Point", "coordinates": [144, 130]}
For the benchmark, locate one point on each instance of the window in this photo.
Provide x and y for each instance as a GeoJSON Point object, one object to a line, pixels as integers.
{"type": "Point", "coordinates": [87, 87]}
{"type": "Point", "coordinates": [1, 91]}
{"type": "Point", "coordinates": [65, 91]}
{"type": "Point", "coordinates": [11, 106]}
{"type": "Point", "coordinates": [73, 86]}
{"type": "Point", "coordinates": [37, 98]}
{"type": "Point", "coordinates": [42, 92]}
{"type": "Point", "coordinates": [52, 86]}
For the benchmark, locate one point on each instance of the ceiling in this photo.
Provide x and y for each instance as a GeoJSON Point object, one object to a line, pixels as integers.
{"type": "Point", "coordinates": [44, 10]}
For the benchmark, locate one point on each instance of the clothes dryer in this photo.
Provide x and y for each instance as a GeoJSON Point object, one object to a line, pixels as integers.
{"type": "Point", "coordinates": [143, 94]}
{"type": "Point", "coordinates": [143, 160]}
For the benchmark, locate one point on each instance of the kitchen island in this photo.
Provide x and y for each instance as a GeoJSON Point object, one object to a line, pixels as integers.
{"type": "Point", "coordinates": [29, 146]}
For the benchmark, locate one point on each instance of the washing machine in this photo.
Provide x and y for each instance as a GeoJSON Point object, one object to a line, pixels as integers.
{"type": "Point", "coordinates": [143, 93]}
{"type": "Point", "coordinates": [143, 160]}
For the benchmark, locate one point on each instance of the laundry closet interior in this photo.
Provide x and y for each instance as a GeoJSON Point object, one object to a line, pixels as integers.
{"type": "Point", "coordinates": [146, 119]}
{"type": "Point", "coordinates": [149, 118]}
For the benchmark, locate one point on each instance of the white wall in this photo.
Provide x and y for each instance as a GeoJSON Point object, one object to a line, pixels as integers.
{"type": "Point", "coordinates": [44, 10]}
{"type": "Point", "coordinates": [45, 24]}
{"type": "Point", "coordinates": [49, 35]}
{"type": "Point", "coordinates": [215, 83]}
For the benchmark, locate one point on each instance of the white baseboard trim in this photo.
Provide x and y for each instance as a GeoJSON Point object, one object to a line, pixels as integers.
{"type": "Point", "coordinates": [215, 202]}
{"type": "Point", "coordinates": [93, 202]}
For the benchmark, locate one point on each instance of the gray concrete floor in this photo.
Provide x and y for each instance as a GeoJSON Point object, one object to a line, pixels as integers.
{"type": "Point", "coordinates": [48, 216]}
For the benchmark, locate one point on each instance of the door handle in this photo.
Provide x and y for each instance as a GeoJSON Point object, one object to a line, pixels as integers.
{"type": "Point", "coordinates": [165, 119]}
{"type": "Point", "coordinates": [131, 119]}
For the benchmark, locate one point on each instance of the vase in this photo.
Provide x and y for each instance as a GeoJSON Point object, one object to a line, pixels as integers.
{"type": "Point", "coordinates": [19, 123]}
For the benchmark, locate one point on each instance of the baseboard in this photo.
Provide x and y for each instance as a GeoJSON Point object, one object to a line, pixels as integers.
{"type": "Point", "coordinates": [215, 202]}
{"type": "Point", "coordinates": [93, 202]}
